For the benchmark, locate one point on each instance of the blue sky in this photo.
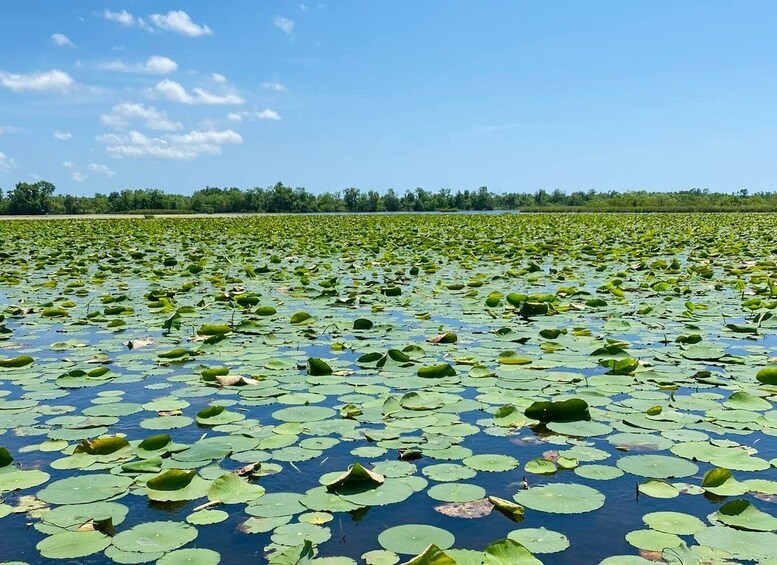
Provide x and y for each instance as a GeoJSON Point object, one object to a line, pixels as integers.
{"type": "Point", "coordinates": [609, 95]}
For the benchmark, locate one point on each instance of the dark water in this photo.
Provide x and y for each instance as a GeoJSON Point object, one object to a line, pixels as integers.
{"type": "Point", "coordinates": [593, 536]}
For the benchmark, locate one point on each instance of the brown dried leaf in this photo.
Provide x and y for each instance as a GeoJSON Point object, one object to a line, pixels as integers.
{"type": "Point", "coordinates": [765, 497]}
{"type": "Point", "coordinates": [246, 470]}
{"type": "Point", "coordinates": [470, 510]}
{"type": "Point", "coordinates": [169, 413]}
{"type": "Point", "coordinates": [140, 343]}
{"type": "Point", "coordinates": [231, 380]}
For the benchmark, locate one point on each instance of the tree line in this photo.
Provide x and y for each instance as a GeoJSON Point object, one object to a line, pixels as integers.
{"type": "Point", "coordinates": [39, 198]}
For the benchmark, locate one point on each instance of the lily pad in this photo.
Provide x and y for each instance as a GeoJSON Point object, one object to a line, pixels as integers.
{"type": "Point", "coordinates": [414, 538]}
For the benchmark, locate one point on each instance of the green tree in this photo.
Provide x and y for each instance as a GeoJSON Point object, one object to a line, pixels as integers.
{"type": "Point", "coordinates": [351, 199]}
{"type": "Point", "coordinates": [29, 198]}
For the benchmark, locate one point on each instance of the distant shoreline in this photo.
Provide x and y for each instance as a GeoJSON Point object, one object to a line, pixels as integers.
{"type": "Point", "coordinates": [198, 215]}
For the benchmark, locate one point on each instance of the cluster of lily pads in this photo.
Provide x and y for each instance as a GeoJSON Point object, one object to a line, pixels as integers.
{"type": "Point", "coordinates": [169, 388]}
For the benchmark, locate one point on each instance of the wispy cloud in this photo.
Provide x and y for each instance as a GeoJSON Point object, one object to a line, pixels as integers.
{"type": "Point", "coordinates": [62, 135]}
{"type": "Point", "coordinates": [122, 115]}
{"type": "Point", "coordinates": [274, 85]}
{"type": "Point", "coordinates": [101, 169]}
{"type": "Point", "coordinates": [175, 92]}
{"type": "Point", "coordinates": [155, 64]}
{"type": "Point", "coordinates": [175, 21]}
{"type": "Point", "coordinates": [284, 24]}
{"type": "Point", "coordinates": [266, 114]}
{"type": "Point", "coordinates": [6, 162]}
{"type": "Point", "coordinates": [79, 176]}
{"type": "Point", "coordinates": [61, 40]}
{"type": "Point", "coordinates": [173, 147]}
{"type": "Point", "coordinates": [123, 18]}
{"type": "Point", "coordinates": [9, 129]}
{"type": "Point", "coordinates": [44, 81]}
{"type": "Point", "coordinates": [178, 21]}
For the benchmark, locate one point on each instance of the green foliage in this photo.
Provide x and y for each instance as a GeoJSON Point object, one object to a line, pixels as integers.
{"type": "Point", "coordinates": [30, 198]}
{"type": "Point", "coordinates": [38, 198]}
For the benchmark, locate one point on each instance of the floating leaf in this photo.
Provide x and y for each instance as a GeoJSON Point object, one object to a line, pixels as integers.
{"type": "Point", "coordinates": [540, 540]}
{"type": "Point", "coordinates": [560, 498]}
{"type": "Point", "coordinates": [356, 477]}
{"type": "Point", "coordinates": [414, 538]}
{"type": "Point", "coordinates": [73, 545]}
{"type": "Point", "coordinates": [657, 466]}
{"type": "Point", "coordinates": [741, 514]}
{"type": "Point", "coordinates": [508, 552]}
{"type": "Point", "coordinates": [231, 489]}
{"type": "Point", "coordinates": [508, 508]}
{"type": "Point", "coordinates": [437, 371]}
{"type": "Point", "coordinates": [570, 410]}
{"type": "Point", "coordinates": [16, 362]}
{"type": "Point", "coordinates": [84, 488]}
{"type": "Point", "coordinates": [153, 537]}
{"type": "Point", "coordinates": [102, 445]}
{"type": "Point", "coordinates": [318, 367]}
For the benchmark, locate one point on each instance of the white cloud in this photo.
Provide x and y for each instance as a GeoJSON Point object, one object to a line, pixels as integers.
{"type": "Point", "coordinates": [174, 92]}
{"type": "Point", "coordinates": [284, 24]}
{"type": "Point", "coordinates": [101, 169]}
{"type": "Point", "coordinates": [155, 64]}
{"type": "Point", "coordinates": [124, 17]}
{"type": "Point", "coordinates": [122, 115]}
{"type": "Point", "coordinates": [62, 135]}
{"type": "Point", "coordinates": [198, 137]}
{"type": "Point", "coordinates": [79, 177]}
{"type": "Point", "coordinates": [62, 40]}
{"type": "Point", "coordinates": [172, 147]}
{"type": "Point", "coordinates": [179, 21]}
{"type": "Point", "coordinates": [54, 80]}
{"type": "Point", "coordinates": [266, 114]}
{"type": "Point", "coordinates": [217, 77]}
{"type": "Point", "coordinates": [274, 85]}
{"type": "Point", "coordinates": [68, 164]}
{"type": "Point", "coordinates": [6, 163]}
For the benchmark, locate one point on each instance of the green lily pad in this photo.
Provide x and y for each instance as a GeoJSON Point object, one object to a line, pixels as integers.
{"type": "Point", "coordinates": [456, 492]}
{"type": "Point", "coordinates": [231, 489]}
{"type": "Point", "coordinates": [508, 552]}
{"type": "Point", "coordinates": [652, 540]}
{"type": "Point", "coordinates": [540, 540]}
{"type": "Point", "coordinates": [153, 537]}
{"type": "Point", "coordinates": [414, 538]}
{"type": "Point", "coordinates": [491, 462]}
{"type": "Point", "coordinates": [84, 488]}
{"type": "Point", "coordinates": [561, 498]}
{"type": "Point", "coordinates": [73, 545]}
{"type": "Point", "coordinates": [743, 515]}
{"type": "Point", "coordinates": [657, 466]}
{"type": "Point", "coordinates": [739, 543]}
{"type": "Point", "coordinates": [674, 523]}
{"type": "Point", "coordinates": [195, 556]}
